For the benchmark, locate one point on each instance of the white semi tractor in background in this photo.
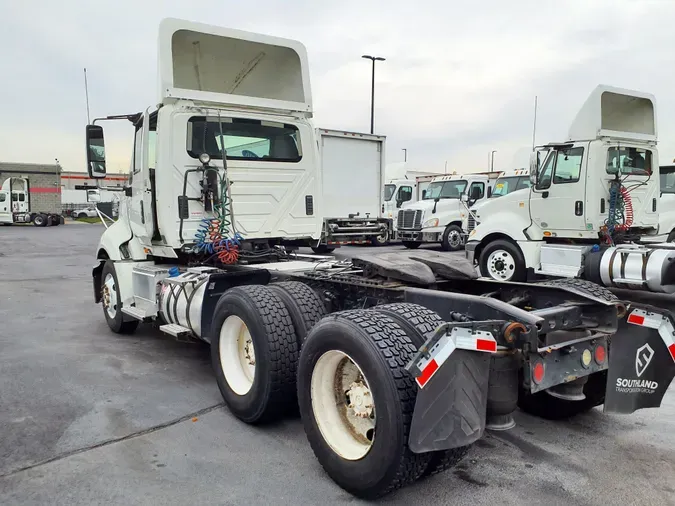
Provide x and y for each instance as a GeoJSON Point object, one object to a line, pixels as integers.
{"type": "Point", "coordinates": [594, 199]}
{"type": "Point", "coordinates": [506, 183]}
{"type": "Point", "coordinates": [397, 362]}
{"type": "Point", "coordinates": [403, 192]}
{"type": "Point", "coordinates": [437, 217]}
{"type": "Point", "coordinates": [16, 205]}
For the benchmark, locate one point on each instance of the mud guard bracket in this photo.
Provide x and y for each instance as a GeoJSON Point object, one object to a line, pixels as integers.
{"type": "Point", "coordinates": [641, 360]}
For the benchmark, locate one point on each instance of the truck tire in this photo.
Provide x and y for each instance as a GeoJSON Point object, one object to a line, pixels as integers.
{"type": "Point", "coordinates": [411, 244]}
{"type": "Point", "coordinates": [546, 406]}
{"type": "Point", "coordinates": [304, 306]}
{"type": "Point", "coordinates": [359, 356]}
{"type": "Point", "coordinates": [414, 319]}
{"type": "Point", "coordinates": [452, 238]}
{"type": "Point", "coordinates": [56, 220]}
{"type": "Point", "coordinates": [381, 240]}
{"type": "Point", "coordinates": [417, 321]}
{"type": "Point", "coordinates": [111, 303]}
{"type": "Point", "coordinates": [502, 260]}
{"type": "Point", "coordinates": [40, 220]}
{"type": "Point", "coordinates": [322, 249]}
{"type": "Point", "coordinates": [254, 354]}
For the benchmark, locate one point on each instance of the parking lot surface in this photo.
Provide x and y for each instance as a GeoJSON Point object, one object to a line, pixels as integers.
{"type": "Point", "coordinates": [90, 417]}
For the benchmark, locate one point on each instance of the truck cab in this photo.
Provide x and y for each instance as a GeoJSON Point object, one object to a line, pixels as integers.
{"type": "Point", "coordinates": [399, 193]}
{"type": "Point", "coordinates": [507, 182]}
{"type": "Point", "coordinates": [594, 190]}
{"type": "Point", "coordinates": [436, 218]}
{"type": "Point", "coordinates": [235, 113]}
{"type": "Point", "coordinates": [14, 201]}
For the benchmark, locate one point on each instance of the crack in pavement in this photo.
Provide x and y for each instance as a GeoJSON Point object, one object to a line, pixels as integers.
{"type": "Point", "coordinates": [111, 441]}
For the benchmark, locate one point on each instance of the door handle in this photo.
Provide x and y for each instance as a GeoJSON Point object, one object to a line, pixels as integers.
{"type": "Point", "coordinates": [578, 208]}
{"type": "Point", "coordinates": [544, 194]}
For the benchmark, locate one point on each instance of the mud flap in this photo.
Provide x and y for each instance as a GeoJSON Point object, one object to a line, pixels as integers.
{"type": "Point", "coordinates": [641, 361]}
{"type": "Point", "coordinates": [450, 409]}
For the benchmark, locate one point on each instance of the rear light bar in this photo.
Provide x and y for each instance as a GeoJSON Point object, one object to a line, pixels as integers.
{"type": "Point", "coordinates": [656, 321]}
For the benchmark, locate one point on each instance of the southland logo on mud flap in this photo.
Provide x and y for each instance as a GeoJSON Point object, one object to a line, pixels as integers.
{"type": "Point", "coordinates": [643, 358]}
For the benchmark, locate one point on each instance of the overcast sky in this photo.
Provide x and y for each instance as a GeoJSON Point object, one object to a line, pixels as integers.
{"type": "Point", "coordinates": [459, 79]}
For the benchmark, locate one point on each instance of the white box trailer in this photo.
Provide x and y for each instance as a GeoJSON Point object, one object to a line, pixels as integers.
{"type": "Point", "coordinates": [353, 175]}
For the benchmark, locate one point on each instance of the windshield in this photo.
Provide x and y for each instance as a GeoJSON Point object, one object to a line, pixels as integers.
{"type": "Point", "coordinates": [389, 191]}
{"type": "Point", "coordinates": [243, 139]}
{"type": "Point", "coordinates": [506, 185]}
{"type": "Point", "coordinates": [629, 161]}
{"type": "Point", "coordinates": [445, 190]}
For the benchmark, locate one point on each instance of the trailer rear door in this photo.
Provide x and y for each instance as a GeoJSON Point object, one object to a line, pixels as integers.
{"type": "Point", "coordinates": [353, 173]}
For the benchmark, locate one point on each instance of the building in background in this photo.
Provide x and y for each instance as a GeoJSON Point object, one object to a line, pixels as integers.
{"type": "Point", "coordinates": [44, 184]}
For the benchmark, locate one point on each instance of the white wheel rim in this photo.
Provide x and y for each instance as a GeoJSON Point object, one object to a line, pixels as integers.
{"type": "Point", "coordinates": [110, 296]}
{"type": "Point", "coordinates": [501, 265]}
{"type": "Point", "coordinates": [237, 355]}
{"type": "Point", "coordinates": [454, 239]}
{"type": "Point", "coordinates": [343, 405]}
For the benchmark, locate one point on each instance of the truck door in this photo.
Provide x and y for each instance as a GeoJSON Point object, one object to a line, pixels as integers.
{"type": "Point", "coordinates": [5, 210]}
{"type": "Point", "coordinates": [557, 200]}
{"type": "Point", "coordinates": [140, 211]}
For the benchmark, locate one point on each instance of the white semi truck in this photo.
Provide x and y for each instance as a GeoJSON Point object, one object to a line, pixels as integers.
{"type": "Point", "coordinates": [437, 217]}
{"type": "Point", "coordinates": [397, 362]}
{"type": "Point", "coordinates": [594, 199]}
{"type": "Point", "coordinates": [400, 193]}
{"type": "Point", "coordinates": [16, 206]}
{"type": "Point", "coordinates": [506, 183]}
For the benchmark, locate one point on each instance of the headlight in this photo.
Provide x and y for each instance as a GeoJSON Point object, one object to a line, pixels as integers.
{"type": "Point", "coordinates": [204, 158]}
{"type": "Point", "coordinates": [433, 222]}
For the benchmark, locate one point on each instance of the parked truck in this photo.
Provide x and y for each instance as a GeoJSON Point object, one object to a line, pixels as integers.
{"type": "Point", "coordinates": [16, 205]}
{"type": "Point", "coordinates": [437, 217]}
{"type": "Point", "coordinates": [353, 174]}
{"type": "Point", "coordinates": [506, 183]}
{"type": "Point", "coordinates": [397, 362]}
{"type": "Point", "coordinates": [400, 193]}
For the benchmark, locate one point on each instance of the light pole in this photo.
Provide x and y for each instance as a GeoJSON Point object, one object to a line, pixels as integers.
{"type": "Point", "coordinates": [372, 89]}
{"type": "Point", "coordinates": [405, 154]}
{"type": "Point", "coordinates": [492, 160]}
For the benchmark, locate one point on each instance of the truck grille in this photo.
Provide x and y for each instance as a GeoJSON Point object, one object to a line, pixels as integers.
{"type": "Point", "coordinates": [471, 223]}
{"type": "Point", "coordinates": [410, 219]}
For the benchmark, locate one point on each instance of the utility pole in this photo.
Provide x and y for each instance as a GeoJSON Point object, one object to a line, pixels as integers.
{"type": "Point", "coordinates": [534, 128]}
{"type": "Point", "coordinates": [86, 94]}
{"type": "Point", "coordinates": [405, 154]}
{"type": "Point", "coordinates": [372, 89]}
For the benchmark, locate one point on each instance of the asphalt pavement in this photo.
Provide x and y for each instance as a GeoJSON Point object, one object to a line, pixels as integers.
{"type": "Point", "coordinates": [90, 417]}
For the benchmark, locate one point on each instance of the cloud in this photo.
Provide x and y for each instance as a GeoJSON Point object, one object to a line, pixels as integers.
{"type": "Point", "coordinates": [458, 82]}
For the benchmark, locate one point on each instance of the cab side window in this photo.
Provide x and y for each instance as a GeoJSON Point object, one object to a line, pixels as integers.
{"type": "Point", "coordinates": [568, 166]}
{"type": "Point", "coordinates": [404, 193]}
{"type": "Point", "coordinates": [481, 189]}
{"type": "Point", "coordinates": [546, 172]}
{"type": "Point", "coordinates": [3, 197]}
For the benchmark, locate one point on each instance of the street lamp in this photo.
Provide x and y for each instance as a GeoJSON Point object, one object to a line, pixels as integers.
{"type": "Point", "coordinates": [372, 89]}
{"type": "Point", "coordinates": [492, 160]}
{"type": "Point", "coordinates": [405, 154]}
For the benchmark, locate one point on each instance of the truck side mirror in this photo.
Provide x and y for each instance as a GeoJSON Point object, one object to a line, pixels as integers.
{"type": "Point", "coordinates": [464, 197]}
{"type": "Point", "coordinates": [95, 152]}
{"type": "Point", "coordinates": [424, 194]}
